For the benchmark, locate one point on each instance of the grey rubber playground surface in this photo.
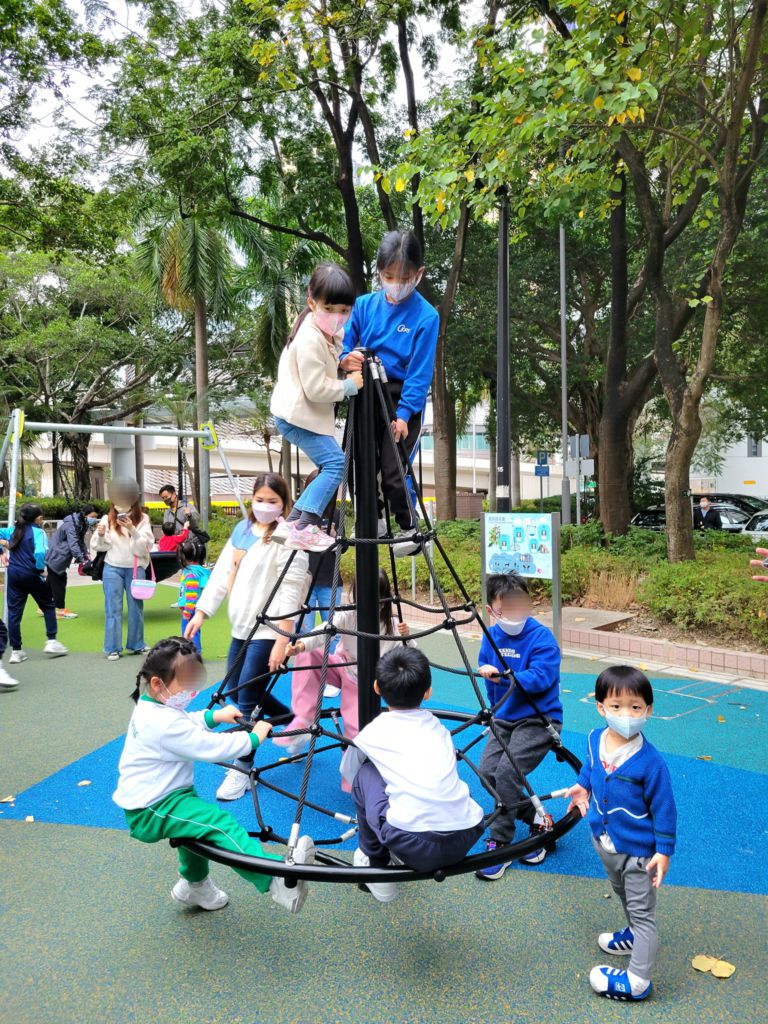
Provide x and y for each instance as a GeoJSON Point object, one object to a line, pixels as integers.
{"type": "Point", "coordinates": [88, 931]}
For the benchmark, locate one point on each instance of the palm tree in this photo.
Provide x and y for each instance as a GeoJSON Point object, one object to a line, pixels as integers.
{"type": "Point", "coordinates": [188, 262]}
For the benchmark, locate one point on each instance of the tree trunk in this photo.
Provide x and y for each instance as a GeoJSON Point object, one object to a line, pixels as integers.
{"type": "Point", "coordinates": [614, 470]}
{"type": "Point", "coordinates": [78, 448]}
{"type": "Point", "coordinates": [56, 464]}
{"type": "Point", "coordinates": [346, 183]}
{"type": "Point", "coordinates": [285, 466]}
{"type": "Point", "coordinates": [444, 433]}
{"type": "Point", "coordinates": [267, 439]}
{"type": "Point", "coordinates": [514, 480]}
{"type": "Point", "coordinates": [686, 430]}
{"type": "Point", "coordinates": [203, 462]}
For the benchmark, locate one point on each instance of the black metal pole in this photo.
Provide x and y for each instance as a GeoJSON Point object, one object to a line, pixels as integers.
{"type": "Point", "coordinates": [503, 452]}
{"type": "Point", "coordinates": [366, 555]}
{"type": "Point", "coordinates": [180, 467]}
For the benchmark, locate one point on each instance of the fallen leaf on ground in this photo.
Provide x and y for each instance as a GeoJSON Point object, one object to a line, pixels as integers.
{"type": "Point", "coordinates": [643, 667]}
{"type": "Point", "coordinates": [580, 618]}
{"type": "Point", "coordinates": [7, 800]}
{"type": "Point", "coordinates": [84, 782]}
{"type": "Point", "coordinates": [703, 963]}
{"type": "Point", "coordinates": [704, 757]}
{"type": "Point", "coordinates": [721, 718]}
{"type": "Point", "coordinates": [29, 818]}
{"type": "Point", "coordinates": [606, 895]}
{"type": "Point", "coordinates": [566, 691]}
{"type": "Point", "coordinates": [722, 969]}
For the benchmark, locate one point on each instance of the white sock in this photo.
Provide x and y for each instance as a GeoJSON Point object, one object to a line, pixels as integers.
{"type": "Point", "coordinates": [637, 984]}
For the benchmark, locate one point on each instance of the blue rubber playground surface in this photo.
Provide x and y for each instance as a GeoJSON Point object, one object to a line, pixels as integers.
{"type": "Point", "coordinates": [88, 932]}
{"type": "Point", "coordinates": [713, 738]}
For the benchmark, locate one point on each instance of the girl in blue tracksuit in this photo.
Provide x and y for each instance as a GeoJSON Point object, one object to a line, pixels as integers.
{"type": "Point", "coordinates": [400, 327]}
{"type": "Point", "coordinates": [27, 547]}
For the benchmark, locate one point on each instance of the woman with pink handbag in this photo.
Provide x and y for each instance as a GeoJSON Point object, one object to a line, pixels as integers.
{"type": "Point", "coordinates": [125, 536]}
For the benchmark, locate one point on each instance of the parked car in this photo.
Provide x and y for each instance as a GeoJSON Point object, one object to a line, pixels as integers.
{"type": "Point", "coordinates": [734, 519]}
{"type": "Point", "coordinates": [747, 502]}
{"type": "Point", "coordinates": [758, 526]}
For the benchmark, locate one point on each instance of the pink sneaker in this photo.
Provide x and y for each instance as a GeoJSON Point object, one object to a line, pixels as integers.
{"type": "Point", "coordinates": [311, 538]}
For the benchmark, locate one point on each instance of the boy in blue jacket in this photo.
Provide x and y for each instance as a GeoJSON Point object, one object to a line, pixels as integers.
{"type": "Point", "coordinates": [531, 652]}
{"type": "Point", "coordinates": [625, 791]}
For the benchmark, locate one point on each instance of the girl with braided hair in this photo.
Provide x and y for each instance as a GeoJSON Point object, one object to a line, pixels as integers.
{"type": "Point", "coordinates": [156, 783]}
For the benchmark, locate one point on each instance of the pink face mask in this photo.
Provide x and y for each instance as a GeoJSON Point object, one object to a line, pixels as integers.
{"type": "Point", "coordinates": [330, 323]}
{"type": "Point", "coordinates": [264, 512]}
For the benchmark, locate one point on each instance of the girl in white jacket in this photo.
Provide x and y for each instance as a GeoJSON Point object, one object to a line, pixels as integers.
{"type": "Point", "coordinates": [307, 389]}
{"type": "Point", "coordinates": [125, 535]}
{"type": "Point", "coordinates": [247, 570]}
{"type": "Point", "coordinates": [156, 784]}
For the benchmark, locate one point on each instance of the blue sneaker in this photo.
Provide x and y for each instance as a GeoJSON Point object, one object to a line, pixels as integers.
{"type": "Point", "coordinates": [537, 856]}
{"type": "Point", "coordinates": [619, 943]}
{"type": "Point", "coordinates": [493, 871]}
{"type": "Point", "coordinates": [614, 984]}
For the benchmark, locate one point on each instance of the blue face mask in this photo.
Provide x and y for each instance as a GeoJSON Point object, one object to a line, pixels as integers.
{"type": "Point", "coordinates": [91, 522]}
{"type": "Point", "coordinates": [626, 725]}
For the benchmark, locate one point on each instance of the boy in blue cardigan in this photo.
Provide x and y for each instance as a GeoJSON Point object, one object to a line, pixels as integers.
{"type": "Point", "coordinates": [625, 791]}
{"type": "Point", "coordinates": [531, 652]}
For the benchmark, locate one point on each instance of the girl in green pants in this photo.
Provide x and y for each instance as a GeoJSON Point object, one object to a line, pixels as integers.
{"type": "Point", "coordinates": [156, 790]}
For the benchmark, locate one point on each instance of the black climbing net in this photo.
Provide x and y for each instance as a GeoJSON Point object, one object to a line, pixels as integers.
{"type": "Point", "coordinates": [325, 731]}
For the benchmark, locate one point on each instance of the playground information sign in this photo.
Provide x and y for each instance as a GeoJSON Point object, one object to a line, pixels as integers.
{"type": "Point", "coordinates": [526, 543]}
{"type": "Point", "coordinates": [519, 542]}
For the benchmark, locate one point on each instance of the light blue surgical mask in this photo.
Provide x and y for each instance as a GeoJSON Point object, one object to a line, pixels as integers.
{"type": "Point", "coordinates": [626, 725]}
{"type": "Point", "coordinates": [91, 522]}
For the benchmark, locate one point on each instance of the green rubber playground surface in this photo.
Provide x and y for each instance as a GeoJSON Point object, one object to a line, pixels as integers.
{"type": "Point", "coordinates": [89, 932]}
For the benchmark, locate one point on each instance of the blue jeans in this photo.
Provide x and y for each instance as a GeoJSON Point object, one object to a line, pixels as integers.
{"type": "Point", "coordinates": [320, 598]}
{"type": "Point", "coordinates": [116, 581]}
{"type": "Point", "coordinates": [255, 663]}
{"type": "Point", "coordinates": [327, 455]}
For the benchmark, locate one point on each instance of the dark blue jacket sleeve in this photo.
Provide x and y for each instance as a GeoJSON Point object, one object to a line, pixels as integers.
{"type": "Point", "coordinates": [413, 397]}
{"type": "Point", "coordinates": [352, 331]}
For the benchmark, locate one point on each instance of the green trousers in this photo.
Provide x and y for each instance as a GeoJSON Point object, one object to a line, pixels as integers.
{"type": "Point", "coordinates": [183, 815]}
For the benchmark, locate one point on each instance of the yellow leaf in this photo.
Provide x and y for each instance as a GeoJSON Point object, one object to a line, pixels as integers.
{"type": "Point", "coordinates": [599, 103]}
{"type": "Point", "coordinates": [611, 119]}
{"type": "Point", "coordinates": [29, 817]}
{"type": "Point", "coordinates": [7, 800]}
{"type": "Point", "coordinates": [619, 39]}
{"type": "Point", "coordinates": [704, 757]}
{"type": "Point", "coordinates": [722, 969]}
{"type": "Point", "coordinates": [641, 114]}
{"type": "Point", "coordinates": [84, 782]}
{"type": "Point", "coordinates": [519, 119]}
{"type": "Point", "coordinates": [558, 93]}
{"type": "Point", "coordinates": [703, 963]}
{"type": "Point", "coordinates": [550, 167]}
{"type": "Point", "coordinates": [408, 133]}
{"type": "Point", "coordinates": [634, 74]}
{"type": "Point", "coordinates": [621, 118]}
{"type": "Point", "coordinates": [441, 202]}
{"type": "Point", "coordinates": [469, 174]}
{"type": "Point", "coordinates": [400, 185]}
{"type": "Point", "coordinates": [386, 184]}
{"type": "Point", "coordinates": [620, 17]}
{"type": "Point", "coordinates": [721, 718]}
{"type": "Point", "coordinates": [581, 214]}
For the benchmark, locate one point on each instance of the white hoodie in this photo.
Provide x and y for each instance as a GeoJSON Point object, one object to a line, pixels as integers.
{"type": "Point", "coordinates": [260, 568]}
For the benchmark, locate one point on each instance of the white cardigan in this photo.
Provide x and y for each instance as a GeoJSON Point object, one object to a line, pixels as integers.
{"type": "Point", "coordinates": [259, 569]}
{"type": "Point", "coordinates": [120, 546]}
{"type": "Point", "coordinates": [308, 382]}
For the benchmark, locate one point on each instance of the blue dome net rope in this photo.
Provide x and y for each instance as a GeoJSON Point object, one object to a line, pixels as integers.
{"type": "Point", "coordinates": [325, 731]}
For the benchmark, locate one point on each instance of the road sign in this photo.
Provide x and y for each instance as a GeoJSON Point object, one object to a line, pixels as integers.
{"type": "Point", "coordinates": [541, 470]}
{"type": "Point", "coordinates": [542, 458]}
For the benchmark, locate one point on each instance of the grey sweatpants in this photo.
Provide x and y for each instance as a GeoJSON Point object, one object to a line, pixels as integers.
{"type": "Point", "coordinates": [528, 742]}
{"type": "Point", "coordinates": [634, 887]}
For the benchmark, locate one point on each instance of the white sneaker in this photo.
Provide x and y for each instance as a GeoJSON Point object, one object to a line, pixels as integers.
{"type": "Point", "coordinates": [17, 657]}
{"type": "Point", "coordinates": [55, 649]}
{"type": "Point", "coordinates": [200, 894]}
{"type": "Point", "coordinates": [406, 543]}
{"type": "Point", "coordinates": [293, 899]}
{"type": "Point", "coordinates": [382, 527]}
{"type": "Point", "coordinates": [331, 691]}
{"type": "Point", "coordinates": [113, 656]}
{"type": "Point", "coordinates": [384, 892]}
{"type": "Point", "coordinates": [234, 785]}
{"type": "Point", "coordinates": [281, 532]}
{"type": "Point", "coordinates": [7, 682]}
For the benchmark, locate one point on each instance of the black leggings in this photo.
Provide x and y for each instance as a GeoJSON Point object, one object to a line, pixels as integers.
{"type": "Point", "coordinates": [58, 584]}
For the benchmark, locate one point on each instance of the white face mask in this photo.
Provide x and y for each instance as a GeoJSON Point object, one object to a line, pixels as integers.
{"type": "Point", "coordinates": [512, 627]}
{"type": "Point", "coordinates": [626, 725]}
{"type": "Point", "coordinates": [400, 291]}
{"type": "Point", "coordinates": [179, 701]}
{"type": "Point", "coordinates": [330, 323]}
{"type": "Point", "coordinates": [264, 512]}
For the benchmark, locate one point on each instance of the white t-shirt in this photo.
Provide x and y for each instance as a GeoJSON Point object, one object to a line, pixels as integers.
{"type": "Point", "coordinates": [416, 758]}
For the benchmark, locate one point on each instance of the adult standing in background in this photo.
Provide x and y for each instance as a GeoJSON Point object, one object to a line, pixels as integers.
{"type": "Point", "coordinates": [180, 516]}
{"type": "Point", "coordinates": [705, 517]}
{"type": "Point", "coordinates": [125, 535]}
{"type": "Point", "coordinates": [66, 545]}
